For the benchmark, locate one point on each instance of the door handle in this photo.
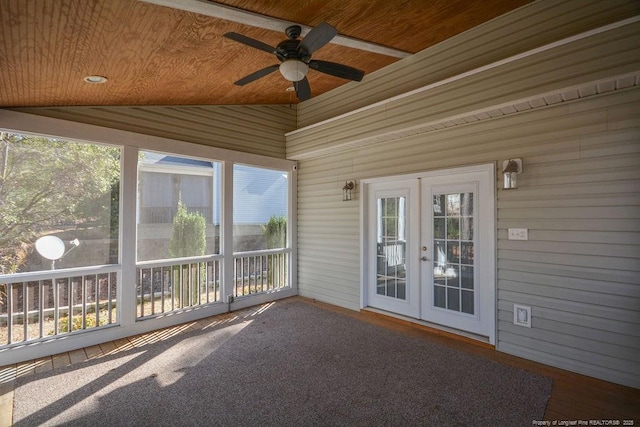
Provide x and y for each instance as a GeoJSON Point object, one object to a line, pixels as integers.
{"type": "Point", "coordinates": [424, 258]}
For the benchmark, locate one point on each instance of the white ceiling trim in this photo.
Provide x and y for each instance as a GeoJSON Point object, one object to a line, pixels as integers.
{"type": "Point", "coordinates": [549, 99]}
{"type": "Point", "coordinates": [228, 13]}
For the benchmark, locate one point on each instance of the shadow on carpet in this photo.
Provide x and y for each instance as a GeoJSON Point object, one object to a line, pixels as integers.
{"type": "Point", "coordinates": [293, 364]}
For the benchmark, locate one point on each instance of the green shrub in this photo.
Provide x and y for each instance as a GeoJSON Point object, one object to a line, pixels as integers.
{"type": "Point", "coordinates": [188, 238]}
{"type": "Point", "coordinates": [189, 235]}
{"type": "Point", "coordinates": [275, 232]}
{"type": "Point", "coordinates": [90, 322]}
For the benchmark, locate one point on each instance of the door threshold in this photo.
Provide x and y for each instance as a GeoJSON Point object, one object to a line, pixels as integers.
{"type": "Point", "coordinates": [434, 328]}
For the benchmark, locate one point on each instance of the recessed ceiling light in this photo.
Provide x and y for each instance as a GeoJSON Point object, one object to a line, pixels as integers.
{"type": "Point", "coordinates": [95, 79]}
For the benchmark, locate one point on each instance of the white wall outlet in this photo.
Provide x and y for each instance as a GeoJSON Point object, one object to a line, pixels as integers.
{"type": "Point", "coordinates": [518, 234]}
{"type": "Point", "coordinates": [522, 315]}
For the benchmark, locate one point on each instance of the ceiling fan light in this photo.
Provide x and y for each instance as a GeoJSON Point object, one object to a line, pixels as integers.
{"type": "Point", "coordinates": [293, 70]}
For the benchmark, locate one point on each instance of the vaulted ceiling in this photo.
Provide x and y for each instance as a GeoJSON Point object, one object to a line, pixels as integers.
{"type": "Point", "coordinates": [172, 52]}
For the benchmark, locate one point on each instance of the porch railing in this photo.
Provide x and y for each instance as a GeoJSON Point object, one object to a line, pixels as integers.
{"type": "Point", "coordinates": [169, 285]}
{"type": "Point", "coordinates": [260, 271]}
{"type": "Point", "coordinates": [43, 304]}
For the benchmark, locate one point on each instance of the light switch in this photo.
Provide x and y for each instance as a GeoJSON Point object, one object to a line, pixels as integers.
{"type": "Point", "coordinates": [518, 234]}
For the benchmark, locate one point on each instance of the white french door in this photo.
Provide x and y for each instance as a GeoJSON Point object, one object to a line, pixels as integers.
{"type": "Point", "coordinates": [430, 243]}
{"type": "Point", "coordinates": [393, 242]}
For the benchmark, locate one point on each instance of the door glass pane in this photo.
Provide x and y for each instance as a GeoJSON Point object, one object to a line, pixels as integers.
{"type": "Point", "coordinates": [391, 247]}
{"type": "Point", "coordinates": [453, 271]}
{"type": "Point", "coordinates": [439, 298]}
{"type": "Point", "coordinates": [466, 277]}
{"type": "Point", "coordinates": [467, 302]}
{"type": "Point", "coordinates": [466, 253]}
{"type": "Point", "coordinates": [453, 299]}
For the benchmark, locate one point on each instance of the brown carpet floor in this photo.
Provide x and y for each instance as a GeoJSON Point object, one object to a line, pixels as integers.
{"type": "Point", "coordinates": [294, 364]}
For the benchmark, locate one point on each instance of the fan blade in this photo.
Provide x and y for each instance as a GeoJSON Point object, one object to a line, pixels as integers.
{"type": "Point", "coordinates": [255, 76]}
{"type": "Point", "coordinates": [250, 42]}
{"type": "Point", "coordinates": [316, 38]}
{"type": "Point", "coordinates": [303, 90]}
{"type": "Point", "coordinates": [338, 70]}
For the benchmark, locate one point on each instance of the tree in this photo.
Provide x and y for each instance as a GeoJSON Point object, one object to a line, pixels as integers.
{"type": "Point", "coordinates": [188, 238]}
{"type": "Point", "coordinates": [275, 232]}
{"type": "Point", "coordinates": [45, 183]}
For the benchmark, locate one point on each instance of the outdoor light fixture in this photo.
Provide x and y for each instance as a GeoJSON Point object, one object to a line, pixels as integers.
{"type": "Point", "coordinates": [347, 191]}
{"type": "Point", "coordinates": [510, 170]}
{"type": "Point", "coordinates": [293, 70]}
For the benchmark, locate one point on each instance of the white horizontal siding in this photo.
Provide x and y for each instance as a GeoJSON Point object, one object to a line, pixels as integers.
{"type": "Point", "coordinates": [579, 196]}
{"type": "Point", "coordinates": [256, 129]}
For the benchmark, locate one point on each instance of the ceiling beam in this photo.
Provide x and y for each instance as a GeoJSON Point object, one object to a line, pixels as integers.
{"type": "Point", "coordinates": [228, 13]}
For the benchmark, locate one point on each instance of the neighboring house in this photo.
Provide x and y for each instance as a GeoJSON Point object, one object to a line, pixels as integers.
{"type": "Point", "coordinates": [163, 180]}
{"type": "Point", "coordinates": [547, 84]}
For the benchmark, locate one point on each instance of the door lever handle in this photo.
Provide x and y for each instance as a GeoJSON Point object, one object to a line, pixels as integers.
{"type": "Point", "coordinates": [424, 258]}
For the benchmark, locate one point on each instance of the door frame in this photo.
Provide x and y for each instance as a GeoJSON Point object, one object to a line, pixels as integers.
{"type": "Point", "coordinates": [486, 168]}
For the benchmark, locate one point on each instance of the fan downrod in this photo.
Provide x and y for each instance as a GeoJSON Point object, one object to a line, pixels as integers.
{"type": "Point", "coordinates": [293, 32]}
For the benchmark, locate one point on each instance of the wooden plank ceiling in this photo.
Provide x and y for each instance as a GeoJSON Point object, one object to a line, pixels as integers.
{"type": "Point", "coordinates": [155, 55]}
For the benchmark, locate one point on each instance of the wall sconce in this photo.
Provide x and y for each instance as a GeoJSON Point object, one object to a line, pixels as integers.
{"type": "Point", "coordinates": [347, 191]}
{"type": "Point", "coordinates": [510, 170]}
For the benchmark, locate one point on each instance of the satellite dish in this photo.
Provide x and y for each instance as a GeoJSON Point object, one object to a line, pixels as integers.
{"type": "Point", "coordinates": [50, 247]}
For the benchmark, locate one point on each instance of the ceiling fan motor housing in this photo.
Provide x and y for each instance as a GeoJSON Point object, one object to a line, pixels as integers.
{"type": "Point", "coordinates": [288, 49]}
{"type": "Point", "coordinates": [295, 61]}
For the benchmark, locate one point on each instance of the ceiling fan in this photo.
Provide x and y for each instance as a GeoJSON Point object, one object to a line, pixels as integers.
{"type": "Point", "coordinates": [295, 58]}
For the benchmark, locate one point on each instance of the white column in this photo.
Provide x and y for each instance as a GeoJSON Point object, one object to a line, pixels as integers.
{"type": "Point", "coordinates": [226, 230]}
{"type": "Point", "coordinates": [128, 237]}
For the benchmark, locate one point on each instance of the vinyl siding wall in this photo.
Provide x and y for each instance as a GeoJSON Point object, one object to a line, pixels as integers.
{"type": "Point", "coordinates": [256, 129]}
{"type": "Point", "coordinates": [579, 194]}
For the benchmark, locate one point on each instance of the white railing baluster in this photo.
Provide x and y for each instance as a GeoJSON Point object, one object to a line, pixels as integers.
{"type": "Point", "coordinates": [152, 300]}
{"type": "Point", "coordinates": [83, 295]}
{"type": "Point", "coordinates": [255, 275]}
{"type": "Point", "coordinates": [70, 303]}
{"type": "Point", "coordinates": [109, 298]}
{"type": "Point", "coordinates": [173, 288]}
{"type": "Point", "coordinates": [207, 279]}
{"type": "Point", "coordinates": [96, 297]}
{"type": "Point", "coordinates": [25, 310]}
{"type": "Point", "coordinates": [9, 312]}
{"type": "Point", "coordinates": [40, 308]}
{"type": "Point", "coordinates": [56, 305]}
{"type": "Point", "coordinates": [199, 283]}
